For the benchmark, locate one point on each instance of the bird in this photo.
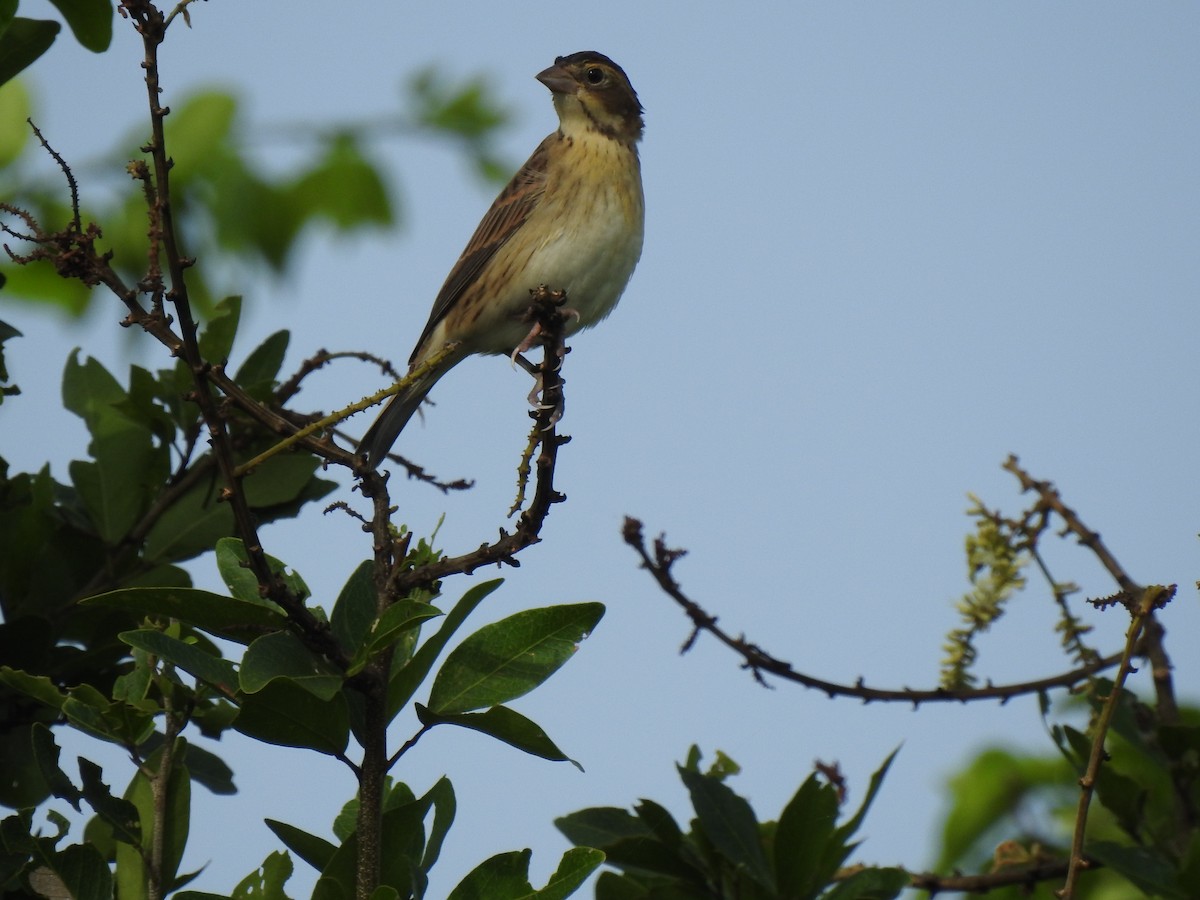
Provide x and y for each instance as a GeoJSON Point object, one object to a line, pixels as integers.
{"type": "Point", "coordinates": [572, 219]}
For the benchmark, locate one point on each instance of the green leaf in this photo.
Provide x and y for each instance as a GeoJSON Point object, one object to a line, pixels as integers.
{"type": "Point", "coordinates": [406, 678]}
{"type": "Point", "coordinates": [151, 403]}
{"type": "Point", "coordinates": [660, 822]}
{"type": "Point", "coordinates": [220, 673]}
{"type": "Point", "coordinates": [41, 284]}
{"type": "Point", "coordinates": [217, 339]}
{"type": "Point", "coordinates": [991, 787]}
{"type": "Point", "coordinates": [261, 368]}
{"type": "Point", "coordinates": [506, 877]}
{"type": "Point", "coordinates": [403, 843]}
{"type": "Point", "coordinates": [573, 870]}
{"type": "Point", "coordinates": [316, 851]}
{"type": "Point", "coordinates": [728, 823]}
{"type": "Point", "coordinates": [354, 611]}
{"type": "Point", "coordinates": [89, 390]}
{"type": "Point", "coordinates": [116, 488]}
{"type": "Point", "coordinates": [253, 217]}
{"type": "Point", "coordinates": [14, 135]}
{"type": "Point", "coordinates": [847, 830]}
{"type": "Point", "coordinates": [119, 813]}
{"type": "Point", "coordinates": [637, 856]}
{"type": "Point", "coordinates": [39, 687]}
{"type": "Point", "coordinates": [46, 753]}
{"type": "Point", "coordinates": [464, 110]}
{"type": "Point", "coordinates": [601, 826]}
{"type": "Point", "coordinates": [1144, 867]}
{"type": "Point", "coordinates": [651, 842]}
{"type": "Point", "coordinates": [505, 725]}
{"type": "Point", "coordinates": [331, 889]}
{"type": "Point", "coordinates": [122, 723]}
{"type": "Point", "coordinates": [227, 617]}
{"type": "Point", "coordinates": [80, 869]}
{"type": "Point", "coordinates": [509, 658]}
{"type": "Point", "coordinates": [210, 770]}
{"type": "Point", "coordinates": [172, 829]}
{"type": "Point", "coordinates": [396, 794]}
{"type": "Point", "coordinates": [503, 876]}
{"type": "Point", "coordinates": [110, 493]}
{"type": "Point", "coordinates": [1189, 867]}
{"type": "Point", "coordinates": [344, 187]}
{"type": "Point", "coordinates": [233, 564]}
{"type": "Point", "coordinates": [267, 883]}
{"type": "Point", "coordinates": [24, 783]}
{"type": "Point", "coordinates": [611, 886]}
{"type": "Point", "coordinates": [13, 103]}
{"type": "Point", "coordinates": [284, 713]}
{"type": "Point", "coordinates": [23, 41]}
{"type": "Point", "coordinates": [197, 131]}
{"type": "Point", "coordinates": [281, 655]}
{"type": "Point", "coordinates": [1124, 798]}
{"type": "Point", "coordinates": [90, 21]}
{"type": "Point", "coordinates": [190, 526]}
{"type": "Point", "coordinates": [264, 883]}
{"type": "Point", "coordinates": [281, 479]}
{"type": "Point", "coordinates": [870, 884]}
{"type": "Point", "coordinates": [805, 828]}
{"type": "Point", "coordinates": [441, 795]}
{"type": "Point", "coordinates": [401, 617]}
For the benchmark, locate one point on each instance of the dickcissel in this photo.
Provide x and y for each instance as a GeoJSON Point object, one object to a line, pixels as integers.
{"type": "Point", "coordinates": [571, 219]}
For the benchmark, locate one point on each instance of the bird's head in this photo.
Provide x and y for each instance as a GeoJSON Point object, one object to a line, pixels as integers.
{"type": "Point", "coordinates": [593, 93]}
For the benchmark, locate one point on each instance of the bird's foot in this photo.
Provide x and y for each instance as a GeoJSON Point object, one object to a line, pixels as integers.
{"type": "Point", "coordinates": [528, 341]}
{"type": "Point", "coordinates": [535, 400]}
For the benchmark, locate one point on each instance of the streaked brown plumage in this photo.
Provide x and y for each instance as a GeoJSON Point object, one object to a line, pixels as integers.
{"type": "Point", "coordinates": [571, 219]}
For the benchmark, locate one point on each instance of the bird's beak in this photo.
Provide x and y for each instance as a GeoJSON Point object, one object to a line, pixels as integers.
{"type": "Point", "coordinates": [557, 79]}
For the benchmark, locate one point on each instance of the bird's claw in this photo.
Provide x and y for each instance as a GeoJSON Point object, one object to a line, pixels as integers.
{"type": "Point", "coordinates": [527, 342]}
{"type": "Point", "coordinates": [535, 400]}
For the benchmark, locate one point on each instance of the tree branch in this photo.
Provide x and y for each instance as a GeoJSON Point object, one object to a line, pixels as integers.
{"type": "Point", "coordinates": [759, 661]}
{"type": "Point", "coordinates": [546, 310]}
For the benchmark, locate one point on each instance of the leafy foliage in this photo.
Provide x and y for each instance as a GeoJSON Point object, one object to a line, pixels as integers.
{"type": "Point", "coordinates": [102, 629]}
{"type": "Point", "coordinates": [728, 853]}
{"type": "Point", "coordinates": [23, 40]}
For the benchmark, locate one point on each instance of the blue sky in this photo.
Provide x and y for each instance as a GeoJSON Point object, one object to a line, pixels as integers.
{"type": "Point", "coordinates": [887, 244]}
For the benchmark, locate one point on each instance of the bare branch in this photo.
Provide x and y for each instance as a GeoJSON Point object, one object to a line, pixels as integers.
{"type": "Point", "coordinates": [758, 661]}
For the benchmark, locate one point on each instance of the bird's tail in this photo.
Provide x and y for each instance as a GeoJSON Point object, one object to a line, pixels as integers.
{"type": "Point", "coordinates": [383, 433]}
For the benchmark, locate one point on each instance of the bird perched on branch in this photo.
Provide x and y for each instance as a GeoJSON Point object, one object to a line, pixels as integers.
{"type": "Point", "coordinates": [571, 219]}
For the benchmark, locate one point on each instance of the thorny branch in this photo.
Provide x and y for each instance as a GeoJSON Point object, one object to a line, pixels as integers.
{"type": "Point", "coordinates": [1050, 500]}
{"type": "Point", "coordinates": [760, 662]}
{"type": "Point", "coordinates": [546, 310]}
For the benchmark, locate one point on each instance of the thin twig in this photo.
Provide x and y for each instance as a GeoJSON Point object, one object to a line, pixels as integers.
{"type": "Point", "coordinates": [1150, 600]}
{"type": "Point", "coordinates": [316, 634]}
{"type": "Point", "coordinates": [1028, 877]}
{"type": "Point", "coordinates": [332, 419]}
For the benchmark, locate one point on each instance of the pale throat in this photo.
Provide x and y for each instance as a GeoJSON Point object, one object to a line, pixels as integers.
{"type": "Point", "coordinates": [574, 122]}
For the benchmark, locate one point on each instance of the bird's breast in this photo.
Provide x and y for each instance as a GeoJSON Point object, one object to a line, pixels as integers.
{"type": "Point", "coordinates": [584, 236]}
{"type": "Point", "coordinates": [591, 219]}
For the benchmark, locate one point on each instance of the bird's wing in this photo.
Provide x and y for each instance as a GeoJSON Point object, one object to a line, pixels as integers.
{"type": "Point", "coordinates": [506, 216]}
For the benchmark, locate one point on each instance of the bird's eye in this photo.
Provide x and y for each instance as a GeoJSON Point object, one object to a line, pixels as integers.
{"type": "Point", "coordinates": [594, 75]}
